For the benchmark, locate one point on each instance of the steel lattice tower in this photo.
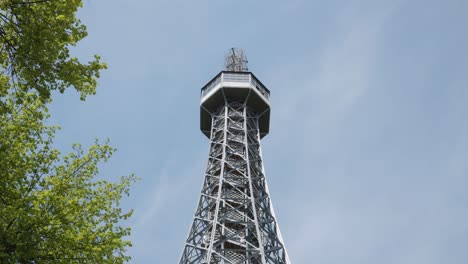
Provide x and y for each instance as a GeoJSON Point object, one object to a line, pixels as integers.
{"type": "Point", "coordinates": [234, 222]}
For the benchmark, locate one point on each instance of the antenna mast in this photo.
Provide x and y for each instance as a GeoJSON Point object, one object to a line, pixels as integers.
{"type": "Point", "coordinates": [235, 60]}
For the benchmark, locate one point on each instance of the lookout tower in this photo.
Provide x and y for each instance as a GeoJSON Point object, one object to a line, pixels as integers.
{"type": "Point", "coordinates": [234, 222]}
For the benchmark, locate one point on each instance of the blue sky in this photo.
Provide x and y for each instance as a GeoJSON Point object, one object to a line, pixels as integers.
{"type": "Point", "coordinates": [367, 157]}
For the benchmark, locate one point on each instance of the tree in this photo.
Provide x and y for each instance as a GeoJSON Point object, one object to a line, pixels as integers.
{"type": "Point", "coordinates": [35, 37]}
{"type": "Point", "coordinates": [53, 209]}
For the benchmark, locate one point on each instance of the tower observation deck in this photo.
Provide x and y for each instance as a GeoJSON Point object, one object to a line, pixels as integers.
{"type": "Point", "coordinates": [234, 222]}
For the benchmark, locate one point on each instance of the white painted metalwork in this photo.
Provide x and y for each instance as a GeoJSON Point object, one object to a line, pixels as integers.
{"type": "Point", "coordinates": [235, 79]}
{"type": "Point", "coordinates": [234, 222]}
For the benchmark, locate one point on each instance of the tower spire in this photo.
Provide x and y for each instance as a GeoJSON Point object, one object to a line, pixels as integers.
{"type": "Point", "coordinates": [235, 60]}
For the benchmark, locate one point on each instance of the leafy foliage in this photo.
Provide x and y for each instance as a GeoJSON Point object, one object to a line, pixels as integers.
{"type": "Point", "coordinates": [53, 209]}
{"type": "Point", "coordinates": [35, 37]}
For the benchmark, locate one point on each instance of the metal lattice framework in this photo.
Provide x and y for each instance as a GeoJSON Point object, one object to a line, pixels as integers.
{"type": "Point", "coordinates": [234, 222]}
{"type": "Point", "coordinates": [235, 60]}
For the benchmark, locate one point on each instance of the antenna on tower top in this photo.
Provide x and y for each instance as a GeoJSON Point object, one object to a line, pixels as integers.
{"type": "Point", "coordinates": [235, 60]}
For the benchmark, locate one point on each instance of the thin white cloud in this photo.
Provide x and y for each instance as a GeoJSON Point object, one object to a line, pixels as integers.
{"type": "Point", "coordinates": [344, 75]}
{"type": "Point", "coordinates": [172, 183]}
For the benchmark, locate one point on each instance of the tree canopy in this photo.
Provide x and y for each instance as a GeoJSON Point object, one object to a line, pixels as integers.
{"type": "Point", "coordinates": [35, 37]}
{"type": "Point", "coordinates": [53, 208]}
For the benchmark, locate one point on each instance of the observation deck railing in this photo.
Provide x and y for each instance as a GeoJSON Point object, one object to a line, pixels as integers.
{"type": "Point", "coordinates": [242, 77]}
